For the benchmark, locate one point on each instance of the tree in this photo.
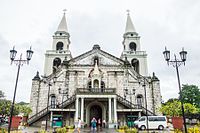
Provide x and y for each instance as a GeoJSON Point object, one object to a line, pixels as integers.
{"type": "Point", "coordinates": [191, 94]}
{"type": "Point", "coordinates": [5, 107]}
{"type": "Point", "coordinates": [25, 109]}
{"type": "Point", "coordinates": [1, 94]}
{"type": "Point", "coordinates": [173, 108]}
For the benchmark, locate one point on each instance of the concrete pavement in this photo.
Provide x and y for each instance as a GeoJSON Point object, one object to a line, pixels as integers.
{"type": "Point", "coordinates": [84, 130]}
{"type": "Point", "coordinates": [87, 130]}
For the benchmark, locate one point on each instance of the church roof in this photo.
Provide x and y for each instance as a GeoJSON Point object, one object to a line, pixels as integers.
{"type": "Point", "coordinates": [129, 25]}
{"type": "Point", "coordinates": [63, 25]}
{"type": "Point", "coordinates": [96, 49]}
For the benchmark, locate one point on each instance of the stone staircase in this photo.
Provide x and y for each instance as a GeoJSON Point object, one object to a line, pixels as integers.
{"type": "Point", "coordinates": [46, 111]}
{"type": "Point", "coordinates": [133, 106]}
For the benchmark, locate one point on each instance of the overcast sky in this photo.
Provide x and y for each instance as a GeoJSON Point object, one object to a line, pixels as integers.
{"type": "Point", "coordinates": [171, 23]}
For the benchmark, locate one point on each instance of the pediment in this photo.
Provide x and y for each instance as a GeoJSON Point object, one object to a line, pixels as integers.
{"type": "Point", "coordinates": [103, 57]}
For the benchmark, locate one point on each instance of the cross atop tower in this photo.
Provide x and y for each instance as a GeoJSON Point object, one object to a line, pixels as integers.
{"type": "Point", "coordinates": [64, 10]}
{"type": "Point", "coordinates": [128, 11]}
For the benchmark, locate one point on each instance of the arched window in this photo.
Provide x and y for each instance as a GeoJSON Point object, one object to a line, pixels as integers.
{"type": "Point", "coordinates": [96, 83]}
{"type": "Point", "coordinates": [135, 64]}
{"type": "Point", "coordinates": [132, 46]}
{"type": "Point", "coordinates": [56, 63]}
{"type": "Point", "coordinates": [90, 84]}
{"type": "Point", "coordinates": [139, 100]}
{"type": "Point", "coordinates": [96, 59]}
{"type": "Point", "coordinates": [53, 101]}
{"type": "Point", "coordinates": [102, 84]}
{"type": "Point", "coordinates": [59, 46]}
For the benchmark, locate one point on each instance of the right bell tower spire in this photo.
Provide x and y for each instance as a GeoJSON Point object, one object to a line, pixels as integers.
{"type": "Point", "coordinates": [131, 48]}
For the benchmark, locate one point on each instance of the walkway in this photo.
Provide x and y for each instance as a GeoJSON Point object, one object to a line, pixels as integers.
{"type": "Point", "coordinates": [85, 130]}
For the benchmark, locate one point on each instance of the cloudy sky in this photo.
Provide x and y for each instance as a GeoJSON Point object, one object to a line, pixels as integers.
{"type": "Point", "coordinates": [171, 23]}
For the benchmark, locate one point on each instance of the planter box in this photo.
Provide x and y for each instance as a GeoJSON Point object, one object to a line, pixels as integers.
{"type": "Point", "coordinates": [177, 122]}
{"type": "Point", "coordinates": [16, 120]}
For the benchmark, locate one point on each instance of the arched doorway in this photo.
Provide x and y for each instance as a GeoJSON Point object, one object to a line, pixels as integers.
{"type": "Point", "coordinates": [96, 111]}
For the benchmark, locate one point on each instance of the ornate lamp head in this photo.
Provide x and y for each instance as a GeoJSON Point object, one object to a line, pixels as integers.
{"type": "Point", "coordinates": [13, 53]}
{"type": "Point", "coordinates": [183, 55]}
{"type": "Point", "coordinates": [166, 54]}
{"type": "Point", "coordinates": [29, 54]}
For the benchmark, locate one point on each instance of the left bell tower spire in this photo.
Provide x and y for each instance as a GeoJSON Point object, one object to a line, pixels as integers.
{"type": "Point", "coordinates": [60, 48]}
{"type": "Point", "coordinates": [61, 35]}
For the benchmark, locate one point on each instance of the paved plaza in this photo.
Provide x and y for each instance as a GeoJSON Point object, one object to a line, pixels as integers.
{"type": "Point", "coordinates": [87, 130]}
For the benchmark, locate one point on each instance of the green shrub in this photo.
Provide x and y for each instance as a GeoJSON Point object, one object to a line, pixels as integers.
{"type": "Point", "coordinates": [194, 129]}
{"type": "Point", "coordinates": [131, 130]}
{"type": "Point", "coordinates": [177, 131]}
{"type": "Point", "coordinates": [125, 127]}
{"type": "Point", "coordinates": [2, 130]}
{"type": "Point", "coordinates": [42, 131]}
{"type": "Point", "coordinates": [61, 130]}
{"type": "Point", "coordinates": [69, 127]}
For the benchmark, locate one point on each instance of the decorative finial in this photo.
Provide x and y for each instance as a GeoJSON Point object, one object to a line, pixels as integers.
{"type": "Point", "coordinates": [64, 10]}
{"type": "Point", "coordinates": [128, 11]}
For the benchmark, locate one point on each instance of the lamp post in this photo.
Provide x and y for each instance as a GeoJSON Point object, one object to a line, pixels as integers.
{"type": "Point", "coordinates": [64, 93]}
{"type": "Point", "coordinates": [143, 80]}
{"type": "Point", "coordinates": [48, 81]}
{"type": "Point", "coordinates": [19, 63]}
{"type": "Point", "coordinates": [130, 93]}
{"type": "Point", "coordinates": [176, 63]}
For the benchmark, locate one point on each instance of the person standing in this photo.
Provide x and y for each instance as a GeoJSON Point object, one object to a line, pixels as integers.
{"type": "Point", "coordinates": [99, 124]}
{"type": "Point", "coordinates": [104, 123]}
{"type": "Point", "coordinates": [94, 124]}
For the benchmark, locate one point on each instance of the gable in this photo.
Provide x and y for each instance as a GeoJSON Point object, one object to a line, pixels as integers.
{"type": "Point", "coordinates": [105, 59]}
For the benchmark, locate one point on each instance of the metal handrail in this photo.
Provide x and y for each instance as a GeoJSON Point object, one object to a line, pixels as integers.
{"type": "Point", "coordinates": [135, 106]}
{"type": "Point", "coordinates": [67, 102]}
{"type": "Point", "coordinates": [45, 111]}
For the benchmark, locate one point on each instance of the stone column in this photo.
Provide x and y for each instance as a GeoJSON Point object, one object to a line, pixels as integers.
{"type": "Point", "coordinates": [115, 110]}
{"type": "Point", "coordinates": [77, 108]}
{"type": "Point", "coordinates": [110, 115]}
{"type": "Point", "coordinates": [139, 114]}
{"type": "Point", "coordinates": [51, 118]}
{"type": "Point", "coordinates": [82, 109]}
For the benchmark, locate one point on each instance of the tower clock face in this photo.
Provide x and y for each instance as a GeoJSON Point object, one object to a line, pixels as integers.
{"type": "Point", "coordinates": [132, 46]}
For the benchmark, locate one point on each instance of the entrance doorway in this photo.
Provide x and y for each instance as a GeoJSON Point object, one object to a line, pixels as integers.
{"type": "Point", "coordinates": [96, 111]}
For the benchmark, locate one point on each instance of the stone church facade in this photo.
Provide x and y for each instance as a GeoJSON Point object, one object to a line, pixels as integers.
{"type": "Point", "coordinates": [94, 84]}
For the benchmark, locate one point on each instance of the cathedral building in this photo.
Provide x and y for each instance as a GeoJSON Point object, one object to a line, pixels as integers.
{"type": "Point", "coordinates": [95, 83]}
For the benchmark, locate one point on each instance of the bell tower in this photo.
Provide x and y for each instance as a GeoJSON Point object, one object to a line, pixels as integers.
{"type": "Point", "coordinates": [60, 48]}
{"type": "Point", "coordinates": [132, 49]}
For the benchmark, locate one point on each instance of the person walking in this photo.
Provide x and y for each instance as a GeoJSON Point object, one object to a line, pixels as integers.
{"type": "Point", "coordinates": [93, 124]}
{"type": "Point", "coordinates": [78, 125]}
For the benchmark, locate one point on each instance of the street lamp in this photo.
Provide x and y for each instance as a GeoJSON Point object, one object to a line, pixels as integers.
{"type": "Point", "coordinates": [130, 93]}
{"type": "Point", "coordinates": [19, 63]}
{"type": "Point", "coordinates": [64, 93]}
{"type": "Point", "coordinates": [48, 81]}
{"type": "Point", "coordinates": [176, 63]}
{"type": "Point", "coordinates": [143, 80]}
